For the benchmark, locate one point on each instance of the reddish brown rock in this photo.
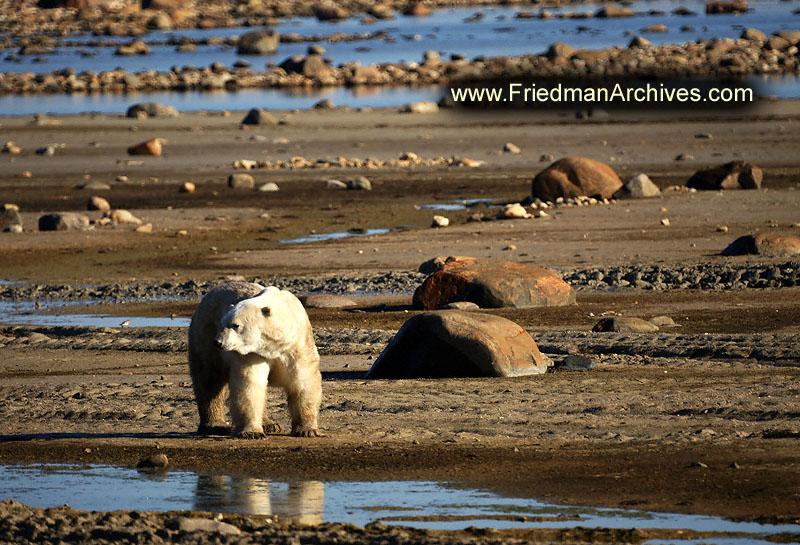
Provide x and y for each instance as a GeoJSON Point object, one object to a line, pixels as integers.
{"type": "Point", "coordinates": [575, 177]}
{"type": "Point", "coordinates": [149, 147]}
{"type": "Point", "coordinates": [733, 175]}
{"type": "Point", "coordinates": [493, 284]}
{"type": "Point", "coordinates": [766, 244]}
{"type": "Point", "coordinates": [455, 343]}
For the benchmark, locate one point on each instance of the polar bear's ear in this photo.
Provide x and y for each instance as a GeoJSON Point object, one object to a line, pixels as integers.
{"type": "Point", "coordinates": [266, 312]}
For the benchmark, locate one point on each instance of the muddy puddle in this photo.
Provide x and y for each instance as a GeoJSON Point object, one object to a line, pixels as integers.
{"type": "Point", "coordinates": [421, 504]}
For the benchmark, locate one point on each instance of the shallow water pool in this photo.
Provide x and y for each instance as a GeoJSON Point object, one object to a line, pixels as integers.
{"type": "Point", "coordinates": [407, 503]}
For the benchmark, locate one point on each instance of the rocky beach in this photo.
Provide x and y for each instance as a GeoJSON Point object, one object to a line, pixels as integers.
{"type": "Point", "coordinates": [651, 254]}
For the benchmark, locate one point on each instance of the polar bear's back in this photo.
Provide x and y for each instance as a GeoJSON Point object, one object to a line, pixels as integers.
{"type": "Point", "coordinates": [207, 320]}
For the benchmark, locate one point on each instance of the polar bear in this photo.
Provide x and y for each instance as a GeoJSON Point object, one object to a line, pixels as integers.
{"type": "Point", "coordinates": [243, 336]}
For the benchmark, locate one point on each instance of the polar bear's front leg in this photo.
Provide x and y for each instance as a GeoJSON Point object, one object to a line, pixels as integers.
{"type": "Point", "coordinates": [304, 399]}
{"type": "Point", "coordinates": [248, 397]}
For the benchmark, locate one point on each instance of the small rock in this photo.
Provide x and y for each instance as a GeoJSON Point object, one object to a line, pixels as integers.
{"type": "Point", "coordinates": [123, 216]}
{"type": "Point", "coordinates": [625, 324]}
{"type": "Point", "coordinates": [9, 217]}
{"type": "Point", "coordinates": [359, 183]}
{"type": "Point", "coordinates": [662, 321]}
{"type": "Point", "coordinates": [258, 116]}
{"type": "Point", "coordinates": [151, 109]}
{"type": "Point", "coordinates": [335, 184]}
{"type": "Point", "coordinates": [440, 221]}
{"type": "Point", "coordinates": [11, 148]}
{"type": "Point", "coordinates": [422, 107]}
{"type": "Point", "coordinates": [640, 186]}
{"type": "Point", "coordinates": [510, 147]}
{"type": "Point", "coordinates": [98, 203]}
{"type": "Point", "coordinates": [461, 305]}
{"type": "Point", "coordinates": [665, 222]}
{"type": "Point", "coordinates": [268, 187]}
{"type": "Point", "coordinates": [65, 221]}
{"type": "Point", "coordinates": [188, 187]}
{"type": "Point", "coordinates": [149, 147]}
{"type": "Point", "coordinates": [258, 42]}
{"type": "Point", "coordinates": [146, 228]}
{"type": "Point", "coordinates": [188, 524]}
{"type": "Point", "coordinates": [513, 211]}
{"type": "Point", "coordinates": [241, 181]}
{"type": "Point", "coordinates": [245, 164]}
{"type": "Point", "coordinates": [324, 104]}
{"type": "Point", "coordinates": [722, 228]}
{"type": "Point", "coordinates": [574, 362]}
{"type": "Point", "coordinates": [95, 186]}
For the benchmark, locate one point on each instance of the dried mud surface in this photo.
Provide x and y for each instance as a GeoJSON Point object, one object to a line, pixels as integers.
{"type": "Point", "coordinates": [702, 418]}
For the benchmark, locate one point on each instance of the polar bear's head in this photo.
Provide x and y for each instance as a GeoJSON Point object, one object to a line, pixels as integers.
{"type": "Point", "coordinates": [262, 324]}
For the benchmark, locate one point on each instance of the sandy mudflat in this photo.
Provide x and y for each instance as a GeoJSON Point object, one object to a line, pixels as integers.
{"type": "Point", "coordinates": [628, 433]}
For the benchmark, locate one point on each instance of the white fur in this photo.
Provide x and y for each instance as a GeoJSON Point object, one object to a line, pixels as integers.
{"type": "Point", "coordinates": [277, 348]}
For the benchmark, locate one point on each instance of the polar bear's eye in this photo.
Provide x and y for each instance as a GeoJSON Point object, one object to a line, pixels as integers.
{"type": "Point", "coordinates": [265, 311]}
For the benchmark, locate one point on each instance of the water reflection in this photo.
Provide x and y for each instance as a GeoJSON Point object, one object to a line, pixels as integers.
{"type": "Point", "coordinates": [422, 504]}
{"type": "Point", "coordinates": [302, 501]}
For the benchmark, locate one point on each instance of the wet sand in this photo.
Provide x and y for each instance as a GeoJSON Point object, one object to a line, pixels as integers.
{"type": "Point", "coordinates": [628, 433]}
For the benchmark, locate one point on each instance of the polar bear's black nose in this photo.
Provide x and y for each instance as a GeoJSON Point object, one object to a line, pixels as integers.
{"type": "Point", "coordinates": [218, 344]}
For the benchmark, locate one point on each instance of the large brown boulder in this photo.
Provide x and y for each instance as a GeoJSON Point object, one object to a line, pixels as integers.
{"type": "Point", "coordinates": [733, 175]}
{"type": "Point", "coordinates": [493, 284]}
{"type": "Point", "coordinates": [766, 244]}
{"type": "Point", "coordinates": [575, 177]}
{"type": "Point", "coordinates": [454, 343]}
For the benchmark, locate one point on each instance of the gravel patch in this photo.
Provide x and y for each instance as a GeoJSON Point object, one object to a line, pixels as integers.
{"type": "Point", "coordinates": [649, 277]}
{"type": "Point", "coordinates": [769, 348]}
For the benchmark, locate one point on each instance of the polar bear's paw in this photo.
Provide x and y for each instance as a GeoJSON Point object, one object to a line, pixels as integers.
{"type": "Point", "coordinates": [251, 435]}
{"type": "Point", "coordinates": [214, 430]}
{"type": "Point", "coordinates": [272, 427]}
{"type": "Point", "coordinates": [306, 432]}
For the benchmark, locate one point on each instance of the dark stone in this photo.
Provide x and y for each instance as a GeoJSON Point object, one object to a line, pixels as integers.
{"type": "Point", "coordinates": [257, 116]}
{"type": "Point", "coordinates": [733, 175]}
{"type": "Point", "coordinates": [574, 362]}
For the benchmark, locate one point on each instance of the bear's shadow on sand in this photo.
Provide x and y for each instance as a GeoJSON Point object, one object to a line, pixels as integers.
{"type": "Point", "coordinates": [79, 435]}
